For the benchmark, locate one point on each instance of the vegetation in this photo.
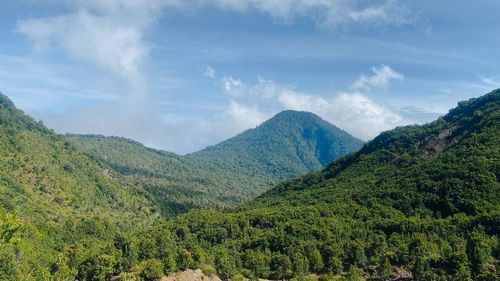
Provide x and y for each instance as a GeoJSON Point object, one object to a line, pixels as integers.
{"type": "Point", "coordinates": [288, 145]}
{"type": "Point", "coordinates": [421, 202]}
{"type": "Point", "coordinates": [417, 202]}
{"type": "Point", "coordinates": [60, 194]}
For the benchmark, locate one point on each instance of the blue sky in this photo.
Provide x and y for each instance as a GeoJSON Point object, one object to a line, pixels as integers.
{"type": "Point", "coordinates": [181, 75]}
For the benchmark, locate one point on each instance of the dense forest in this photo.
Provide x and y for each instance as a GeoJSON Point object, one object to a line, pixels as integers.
{"type": "Point", "coordinates": [419, 202]}
{"type": "Point", "coordinates": [290, 144]}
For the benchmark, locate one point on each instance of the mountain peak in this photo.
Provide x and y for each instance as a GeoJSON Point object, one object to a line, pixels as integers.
{"type": "Point", "coordinates": [288, 137]}
{"type": "Point", "coordinates": [305, 118]}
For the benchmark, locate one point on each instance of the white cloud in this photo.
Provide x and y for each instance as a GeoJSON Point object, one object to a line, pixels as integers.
{"type": "Point", "coordinates": [263, 89]}
{"type": "Point", "coordinates": [243, 117]}
{"type": "Point", "coordinates": [324, 12]}
{"type": "Point", "coordinates": [108, 34]}
{"type": "Point", "coordinates": [353, 112]}
{"type": "Point", "coordinates": [233, 86]}
{"type": "Point", "coordinates": [489, 81]}
{"type": "Point", "coordinates": [380, 78]}
{"type": "Point", "coordinates": [209, 72]}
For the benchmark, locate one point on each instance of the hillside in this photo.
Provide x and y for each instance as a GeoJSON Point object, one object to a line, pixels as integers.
{"type": "Point", "coordinates": [236, 170]}
{"type": "Point", "coordinates": [54, 189]}
{"type": "Point", "coordinates": [417, 202]}
{"type": "Point", "coordinates": [289, 144]}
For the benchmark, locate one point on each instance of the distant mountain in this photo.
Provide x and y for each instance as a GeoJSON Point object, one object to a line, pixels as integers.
{"type": "Point", "coordinates": [415, 203]}
{"type": "Point", "coordinates": [290, 144]}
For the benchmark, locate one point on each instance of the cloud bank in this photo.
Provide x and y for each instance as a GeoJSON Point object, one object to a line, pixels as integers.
{"type": "Point", "coordinates": [110, 33]}
{"type": "Point", "coordinates": [112, 36]}
{"type": "Point", "coordinates": [351, 111]}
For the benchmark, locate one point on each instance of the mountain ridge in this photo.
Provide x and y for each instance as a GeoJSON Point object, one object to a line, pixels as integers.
{"type": "Point", "coordinates": [418, 202]}
{"type": "Point", "coordinates": [233, 171]}
{"type": "Point", "coordinates": [391, 210]}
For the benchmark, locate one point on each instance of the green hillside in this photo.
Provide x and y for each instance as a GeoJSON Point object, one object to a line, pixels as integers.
{"type": "Point", "coordinates": [417, 202]}
{"type": "Point", "coordinates": [57, 191]}
{"type": "Point", "coordinates": [288, 145]}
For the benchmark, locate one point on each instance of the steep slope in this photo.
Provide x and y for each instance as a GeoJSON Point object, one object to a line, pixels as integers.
{"type": "Point", "coordinates": [289, 144]}
{"type": "Point", "coordinates": [48, 182]}
{"type": "Point", "coordinates": [448, 166]}
{"type": "Point", "coordinates": [177, 184]}
{"type": "Point", "coordinates": [417, 202]}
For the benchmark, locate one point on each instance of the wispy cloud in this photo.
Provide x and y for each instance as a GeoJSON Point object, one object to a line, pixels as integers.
{"type": "Point", "coordinates": [490, 81]}
{"type": "Point", "coordinates": [209, 72]}
{"type": "Point", "coordinates": [380, 78]}
{"type": "Point", "coordinates": [233, 86]}
{"type": "Point", "coordinates": [108, 34]}
{"type": "Point", "coordinates": [324, 12]}
{"type": "Point", "coordinates": [351, 111]}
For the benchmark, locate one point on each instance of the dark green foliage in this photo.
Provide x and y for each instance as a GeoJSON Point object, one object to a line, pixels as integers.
{"type": "Point", "coordinates": [422, 200]}
{"type": "Point", "coordinates": [236, 170]}
{"type": "Point", "coordinates": [425, 199]}
{"type": "Point", "coordinates": [184, 259]}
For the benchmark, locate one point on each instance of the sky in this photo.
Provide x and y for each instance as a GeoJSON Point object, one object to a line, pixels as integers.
{"type": "Point", "coordinates": [181, 75]}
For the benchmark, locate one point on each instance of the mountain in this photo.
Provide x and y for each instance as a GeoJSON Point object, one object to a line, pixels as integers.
{"type": "Point", "coordinates": [54, 188]}
{"type": "Point", "coordinates": [289, 144]}
{"type": "Point", "coordinates": [415, 203]}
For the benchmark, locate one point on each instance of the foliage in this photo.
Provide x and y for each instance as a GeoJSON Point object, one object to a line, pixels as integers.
{"type": "Point", "coordinates": [149, 270]}
{"type": "Point", "coordinates": [236, 170]}
{"type": "Point", "coordinates": [9, 226]}
{"type": "Point", "coordinates": [424, 200]}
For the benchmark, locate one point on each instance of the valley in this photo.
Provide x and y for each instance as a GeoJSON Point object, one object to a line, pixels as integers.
{"type": "Point", "coordinates": [419, 202]}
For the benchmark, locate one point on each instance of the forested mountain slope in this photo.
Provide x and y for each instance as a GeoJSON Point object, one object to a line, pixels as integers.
{"type": "Point", "coordinates": [417, 202]}
{"type": "Point", "coordinates": [290, 144]}
{"type": "Point", "coordinates": [45, 177]}
{"type": "Point", "coordinates": [57, 190]}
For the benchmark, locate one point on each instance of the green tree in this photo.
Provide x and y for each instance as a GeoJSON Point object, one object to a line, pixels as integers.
{"type": "Point", "coordinates": [225, 265]}
{"type": "Point", "coordinates": [354, 274]}
{"type": "Point", "coordinates": [169, 264]}
{"type": "Point", "coordinates": [281, 266]}
{"type": "Point", "coordinates": [385, 269]}
{"type": "Point", "coordinates": [9, 226]}
{"type": "Point", "coordinates": [184, 260]}
{"type": "Point", "coordinates": [8, 266]}
{"type": "Point", "coordinates": [150, 270]}
{"type": "Point", "coordinates": [463, 274]}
